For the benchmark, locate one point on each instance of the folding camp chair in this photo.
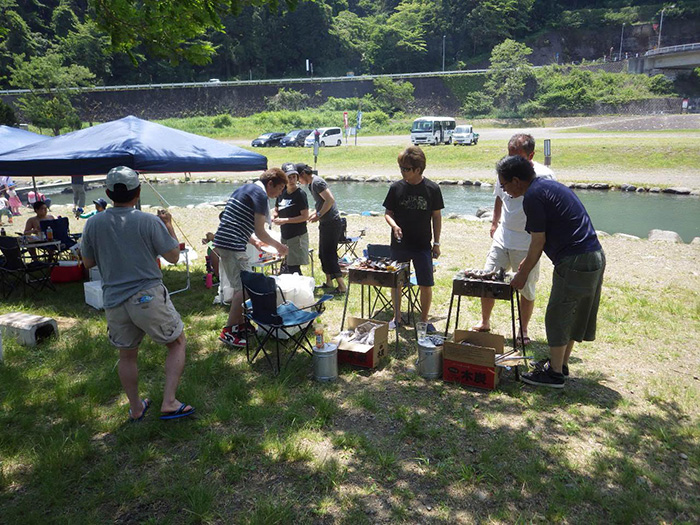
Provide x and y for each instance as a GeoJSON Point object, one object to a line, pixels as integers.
{"type": "Point", "coordinates": [348, 245]}
{"type": "Point", "coordinates": [60, 230]}
{"type": "Point", "coordinates": [16, 273]}
{"type": "Point", "coordinates": [286, 324]}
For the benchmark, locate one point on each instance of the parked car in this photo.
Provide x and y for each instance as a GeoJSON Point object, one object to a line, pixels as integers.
{"type": "Point", "coordinates": [327, 137]}
{"type": "Point", "coordinates": [267, 140]}
{"type": "Point", "coordinates": [295, 138]}
{"type": "Point", "coordinates": [465, 136]}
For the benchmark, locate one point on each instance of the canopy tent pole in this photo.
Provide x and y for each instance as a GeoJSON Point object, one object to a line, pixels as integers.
{"type": "Point", "coordinates": [34, 184]}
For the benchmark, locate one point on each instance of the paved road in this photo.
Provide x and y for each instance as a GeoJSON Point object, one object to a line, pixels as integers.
{"type": "Point", "coordinates": [565, 128]}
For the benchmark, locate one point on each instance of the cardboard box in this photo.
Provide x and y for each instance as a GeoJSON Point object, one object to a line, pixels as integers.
{"type": "Point", "coordinates": [367, 356]}
{"type": "Point", "coordinates": [93, 294]}
{"type": "Point", "coordinates": [472, 364]}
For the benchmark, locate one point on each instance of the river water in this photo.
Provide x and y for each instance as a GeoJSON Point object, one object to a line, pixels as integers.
{"type": "Point", "coordinates": [611, 211]}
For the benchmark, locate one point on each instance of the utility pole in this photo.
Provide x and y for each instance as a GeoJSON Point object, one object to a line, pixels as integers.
{"type": "Point", "coordinates": [443, 52]}
{"type": "Point", "coordinates": [619, 57]}
{"type": "Point", "coordinates": [661, 24]}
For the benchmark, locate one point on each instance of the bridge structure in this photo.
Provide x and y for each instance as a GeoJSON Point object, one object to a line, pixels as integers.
{"type": "Point", "coordinates": [667, 59]}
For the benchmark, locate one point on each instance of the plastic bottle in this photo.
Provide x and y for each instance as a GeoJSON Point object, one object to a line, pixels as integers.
{"type": "Point", "coordinates": [318, 331]}
{"type": "Point", "coordinates": [49, 234]}
{"type": "Point", "coordinates": [209, 282]}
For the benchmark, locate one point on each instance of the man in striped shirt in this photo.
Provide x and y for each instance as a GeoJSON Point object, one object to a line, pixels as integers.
{"type": "Point", "coordinates": [246, 212]}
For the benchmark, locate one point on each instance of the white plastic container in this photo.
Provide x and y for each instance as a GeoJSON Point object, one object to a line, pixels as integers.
{"type": "Point", "coordinates": [95, 274]}
{"type": "Point", "coordinates": [93, 294]}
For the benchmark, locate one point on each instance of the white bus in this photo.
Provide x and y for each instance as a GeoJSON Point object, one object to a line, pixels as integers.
{"type": "Point", "coordinates": [432, 130]}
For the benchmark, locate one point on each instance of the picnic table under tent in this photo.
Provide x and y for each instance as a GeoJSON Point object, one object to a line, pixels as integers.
{"type": "Point", "coordinates": [144, 146]}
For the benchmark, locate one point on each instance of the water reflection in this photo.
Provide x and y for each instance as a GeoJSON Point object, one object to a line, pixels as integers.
{"type": "Point", "coordinates": [611, 211]}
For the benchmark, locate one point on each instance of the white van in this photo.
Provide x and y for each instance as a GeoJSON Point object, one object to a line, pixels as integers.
{"type": "Point", "coordinates": [327, 137]}
{"type": "Point", "coordinates": [465, 135]}
{"type": "Point", "coordinates": [432, 130]}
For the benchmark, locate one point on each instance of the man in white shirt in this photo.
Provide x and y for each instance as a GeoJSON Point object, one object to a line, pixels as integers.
{"type": "Point", "coordinates": [510, 240]}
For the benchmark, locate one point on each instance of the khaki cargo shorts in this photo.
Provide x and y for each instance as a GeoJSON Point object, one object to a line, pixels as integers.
{"type": "Point", "coordinates": [146, 312]}
{"type": "Point", "coordinates": [233, 264]}
{"type": "Point", "coordinates": [510, 260]}
{"type": "Point", "coordinates": [298, 250]}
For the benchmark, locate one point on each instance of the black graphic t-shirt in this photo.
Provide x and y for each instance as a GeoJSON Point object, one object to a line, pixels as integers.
{"type": "Point", "coordinates": [291, 205]}
{"type": "Point", "coordinates": [413, 206]}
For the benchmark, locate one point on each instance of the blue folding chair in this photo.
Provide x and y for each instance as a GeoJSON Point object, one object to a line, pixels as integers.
{"type": "Point", "coordinates": [61, 232]}
{"type": "Point", "coordinates": [286, 324]}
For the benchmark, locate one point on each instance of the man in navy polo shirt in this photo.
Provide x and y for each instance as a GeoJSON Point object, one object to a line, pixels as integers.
{"type": "Point", "coordinates": [560, 226]}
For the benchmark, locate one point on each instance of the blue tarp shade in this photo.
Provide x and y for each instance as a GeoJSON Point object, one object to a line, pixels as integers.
{"type": "Point", "coordinates": [130, 141]}
{"type": "Point", "coordinates": [13, 138]}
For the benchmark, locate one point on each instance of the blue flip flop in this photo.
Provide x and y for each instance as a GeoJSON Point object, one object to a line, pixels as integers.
{"type": "Point", "coordinates": [146, 406]}
{"type": "Point", "coordinates": [177, 414]}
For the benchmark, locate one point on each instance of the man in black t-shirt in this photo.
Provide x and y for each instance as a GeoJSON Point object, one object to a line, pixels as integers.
{"type": "Point", "coordinates": [291, 213]}
{"type": "Point", "coordinates": [413, 211]}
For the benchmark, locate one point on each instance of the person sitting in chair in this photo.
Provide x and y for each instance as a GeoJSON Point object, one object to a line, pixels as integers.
{"type": "Point", "coordinates": [33, 228]}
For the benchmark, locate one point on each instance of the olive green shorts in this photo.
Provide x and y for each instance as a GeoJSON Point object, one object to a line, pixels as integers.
{"type": "Point", "coordinates": [573, 303]}
{"type": "Point", "coordinates": [298, 250]}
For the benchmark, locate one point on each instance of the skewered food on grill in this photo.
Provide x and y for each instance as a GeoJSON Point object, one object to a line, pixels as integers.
{"type": "Point", "coordinates": [485, 275]}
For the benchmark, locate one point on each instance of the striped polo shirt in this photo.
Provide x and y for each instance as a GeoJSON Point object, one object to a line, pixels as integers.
{"type": "Point", "coordinates": [238, 221]}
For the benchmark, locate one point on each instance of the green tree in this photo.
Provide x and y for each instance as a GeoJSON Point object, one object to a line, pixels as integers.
{"type": "Point", "coordinates": [7, 115]}
{"type": "Point", "coordinates": [48, 105]}
{"type": "Point", "coordinates": [392, 96]}
{"type": "Point", "coordinates": [174, 30]}
{"type": "Point", "coordinates": [509, 74]}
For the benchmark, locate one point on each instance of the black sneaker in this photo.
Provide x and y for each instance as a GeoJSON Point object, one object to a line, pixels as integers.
{"type": "Point", "coordinates": [544, 365]}
{"type": "Point", "coordinates": [544, 378]}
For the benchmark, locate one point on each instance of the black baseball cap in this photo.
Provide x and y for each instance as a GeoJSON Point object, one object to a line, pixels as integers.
{"type": "Point", "coordinates": [303, 168]}
{"type": "Point", "coordinates": [100, 202]}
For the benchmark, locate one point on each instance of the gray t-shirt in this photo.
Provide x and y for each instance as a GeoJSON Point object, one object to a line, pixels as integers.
{"type": "Point", "coordinates": [318, 186]}
{"type": "Point", "coordinates": [125, 243]}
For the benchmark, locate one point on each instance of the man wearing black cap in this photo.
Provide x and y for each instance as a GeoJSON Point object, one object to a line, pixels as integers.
{"type": "Point", "coordinates": [290, 214]}
{"type": "Point", "coordinates": [123, 243]}
{"type": "Point", "coordinates": [330, 227]}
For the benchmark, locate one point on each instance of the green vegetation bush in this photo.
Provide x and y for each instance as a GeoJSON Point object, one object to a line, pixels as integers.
{"type": "Point", "coordinates": [392, 96]}
{"type": "Point", "coordinates": [7, 115]}
{"type": "Point", "coordinates": [476, 104]}
{"type": "Point", "coordinates": [222, 121]}
{"type": "Point", "coordinates": [464, 85]}
{"type": "Point", "coordinates": [287, 99]}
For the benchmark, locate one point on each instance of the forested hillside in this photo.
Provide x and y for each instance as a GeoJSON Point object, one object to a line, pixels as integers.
{"type": "Point", "coordinates": [336, 36]}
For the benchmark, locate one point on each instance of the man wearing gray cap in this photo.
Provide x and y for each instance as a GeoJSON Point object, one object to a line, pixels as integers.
{"type": "Point", "coordinates": [124, 243]}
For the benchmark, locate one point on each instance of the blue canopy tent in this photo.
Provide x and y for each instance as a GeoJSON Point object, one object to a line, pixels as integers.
{"type": "Point", "coordinates": [13, 138]}
{"type": "Point", "coordinates": [130, 141]}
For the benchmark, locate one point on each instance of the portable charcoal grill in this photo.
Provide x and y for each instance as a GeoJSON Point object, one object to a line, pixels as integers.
{"type": "Point", "coordinates": [500, 290]}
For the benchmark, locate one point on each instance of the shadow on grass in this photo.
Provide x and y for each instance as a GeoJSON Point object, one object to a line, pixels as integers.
{"type": "Point", "coordinates": [376, 446]}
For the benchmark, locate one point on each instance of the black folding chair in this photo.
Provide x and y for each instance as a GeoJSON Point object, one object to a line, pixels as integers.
{"type": "Point", "coordinates": [18, 274]}
{"type": "Point", "coordinates": [348, 245]}
{"type": "Point", "coordinates": [286, 324]}
{"type": "Point", "coordinates": [61, 232]}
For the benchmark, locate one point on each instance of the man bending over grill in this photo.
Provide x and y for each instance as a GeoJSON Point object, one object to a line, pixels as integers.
{"type": "Point", "coordinates": [560, 226]}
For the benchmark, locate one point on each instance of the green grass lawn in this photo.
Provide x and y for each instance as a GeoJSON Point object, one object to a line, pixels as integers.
{"type": "Point", "coordinates": [596, 154]}
{"type": "Point", "coordinates": [621, 444]}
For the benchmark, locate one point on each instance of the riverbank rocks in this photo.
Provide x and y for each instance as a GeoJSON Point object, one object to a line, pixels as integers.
{"type": "Point", "coordinates": [467, 183]}
{"type": "Point", "coordinates": [696, 240]}
{"type": "Point", "coordinates": [626, 236]}
{"type": "Point", "coordinates": [655, 190]}
{"type": "Point", "coordinates": [695, 193]}
{"type": "Point", "coordinates": [677, 190]}
{"type": "Point", "coordinates": [664, 236]}
{"type": "Point", "coordinates": [641, 190]}
{"type": "Point", "coordinates": [448, 182]}
{"type": "Point", "coordinates": [481, 212]}
{"type": "Point", "coordinates": [486, 185]}
{"type": "Point", "coordinates": [602, 234]}
{"type": "Point", "coordinates": [599, 186]}
{"type": "Point", "coordinates": [477, 183]}
{"type": "Point", "coordinates": [628, 187]}
{"type": "Point", "coordinates": [378, 178]}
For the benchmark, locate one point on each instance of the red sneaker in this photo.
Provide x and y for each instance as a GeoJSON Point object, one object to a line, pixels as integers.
{"type": "Point", "coordinates": [233, 339]}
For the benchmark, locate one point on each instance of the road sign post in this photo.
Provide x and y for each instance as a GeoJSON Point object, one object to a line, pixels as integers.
{"type": "Point", "coordinates": [547, 152]}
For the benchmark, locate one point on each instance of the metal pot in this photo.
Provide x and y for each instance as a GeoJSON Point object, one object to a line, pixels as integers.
{"type": "Point", "coordinates": [326, 362]}
{"type": "Point", "coordinates": [429, 362]}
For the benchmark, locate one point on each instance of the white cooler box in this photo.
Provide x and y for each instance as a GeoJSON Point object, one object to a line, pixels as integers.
{"type": "Point", "coordinates": [93, 294]}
